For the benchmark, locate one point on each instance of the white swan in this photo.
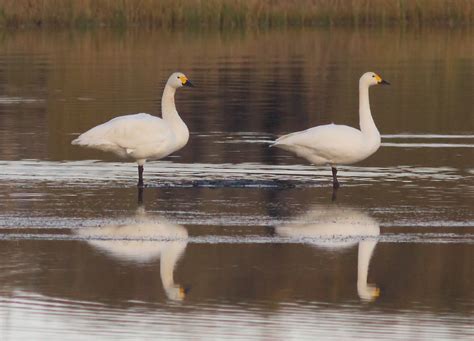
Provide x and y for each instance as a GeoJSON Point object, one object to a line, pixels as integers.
{"type": "Point", "coordinates": [330, 227]}
{"type": "Point", "coordinates": [143, 136]}
{"type": "Point", "coordinates": [144, 241]}
{"type": "Point", "coordinates": [335, 145]}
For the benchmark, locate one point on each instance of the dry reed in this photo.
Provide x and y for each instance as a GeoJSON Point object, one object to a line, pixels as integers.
{"type": "Point", "coordinates": [223, 14]}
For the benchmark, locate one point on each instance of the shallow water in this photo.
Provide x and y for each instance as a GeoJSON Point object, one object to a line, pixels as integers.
{"type": "Point", "coordinates": [234, 239]}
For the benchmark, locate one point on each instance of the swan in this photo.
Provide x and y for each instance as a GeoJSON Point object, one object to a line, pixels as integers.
{"type": "Point", "coordinates": [144, 241]}
{"type": "Point", "coordinates": [336, 228]}
{"type": "Point", "coordinates": [142, 136]}
{"type": "Point", "coordinates": [333, 144]}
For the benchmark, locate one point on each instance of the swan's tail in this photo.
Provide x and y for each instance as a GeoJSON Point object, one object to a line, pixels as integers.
{"type": "Point", "coordinates": [77, 141]}
{"type": "Point", "coordinates": [85, 141]}
{"type": "Point", "coordinates": [94, 137]}
{"type": "Point", "coordinates": [279, 140]}
{"type": "Point", "coordinates": [96, 143]}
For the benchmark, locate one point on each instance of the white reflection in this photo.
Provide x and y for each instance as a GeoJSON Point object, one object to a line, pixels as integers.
{"type": "Point", "coordinates": [336, 227]}
{"type": "Point", "coordinates": [142, 241]}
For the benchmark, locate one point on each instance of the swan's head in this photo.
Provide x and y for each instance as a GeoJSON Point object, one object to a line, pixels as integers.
{"type": "Point", "coordinates": [176, 293]}
{"type": "Point", "coordinates": [368, 292]}
{"type": "Point", "coordinates": [178, 80]}
{"type": "Point", "coordinates": [371, 78]}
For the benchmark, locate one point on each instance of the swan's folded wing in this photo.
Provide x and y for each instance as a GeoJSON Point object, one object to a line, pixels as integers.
{"type": "Point", "coordinates": [127, 132]}
{"type": "Point", "coordinates": [326, 141]}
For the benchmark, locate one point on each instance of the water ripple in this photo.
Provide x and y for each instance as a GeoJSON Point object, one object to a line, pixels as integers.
{"type": "Point", "coordinates": [441, 237]}
{"type": "Point", "coordinates": [17, 100]}
{"type": "Point", "coordinates": [266, 138]}
{"type": "Point", "coordinates": [218, 320]}
{"type": "Point", "coordinates": [90, 172]}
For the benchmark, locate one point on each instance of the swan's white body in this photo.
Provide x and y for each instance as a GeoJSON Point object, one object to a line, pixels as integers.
{"type": "Point", "coordinates": [331, 144]}
{"type": "Point", "coordinates": [334, 144]}
{"type": "Point", "coordinates": [329, 226]}
{"type": "Point", "coordinates": [142, 136]}
{"type": "Point", "coordinates": [144, 241]}
{"type": "Point", "coordinates": [139, 136]}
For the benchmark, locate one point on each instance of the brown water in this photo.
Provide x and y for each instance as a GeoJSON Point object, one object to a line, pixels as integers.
{"type": "Point", "coordinates": [235, 240]}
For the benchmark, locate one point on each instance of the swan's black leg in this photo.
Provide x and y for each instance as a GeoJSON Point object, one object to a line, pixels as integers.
{"type": "Point", "coordinates": [140, 176]}
{"type": "Point", "coordinates": [334, 194]}
{"type": "Point", "coordinates": [335, 183]}
{"type": "Point", "coordinates": [140, 195]}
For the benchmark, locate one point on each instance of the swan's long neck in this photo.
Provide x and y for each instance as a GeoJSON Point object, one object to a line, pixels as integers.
{"type": "Point", "coordinates": [366, 248]}
{"type": "Point", "coordinates": [167, 263]}
{"type": "Point", "coordinates": [366, 122]}
{"type": "Point", "coordinates": [169, 257]}
{"type": "Point", "coordinates": [171, 116]}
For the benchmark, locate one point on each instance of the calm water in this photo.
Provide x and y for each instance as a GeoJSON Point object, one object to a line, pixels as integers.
{"type": "Point", "coordinates": [233, 239]}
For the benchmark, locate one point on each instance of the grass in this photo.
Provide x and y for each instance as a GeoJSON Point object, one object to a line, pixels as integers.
{"type": "Point", "coordinates": [224, 14]}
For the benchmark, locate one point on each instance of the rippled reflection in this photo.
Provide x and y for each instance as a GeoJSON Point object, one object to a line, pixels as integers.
{"type": "Point", "coordinates": [143, 241]}
{"type": "Point", "coordinates": [245, 282]}
{"type": "Point", "coordinates": [335, 227]}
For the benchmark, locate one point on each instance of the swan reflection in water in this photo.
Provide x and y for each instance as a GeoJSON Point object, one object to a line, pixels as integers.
{"type": "Point", "coordinates": [144, 240]}
{"type": "Point", "coordinates": [334, 228]}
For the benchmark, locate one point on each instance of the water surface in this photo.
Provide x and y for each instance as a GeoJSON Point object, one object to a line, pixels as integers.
{"type": "Point", "coordinates": [234, 239]}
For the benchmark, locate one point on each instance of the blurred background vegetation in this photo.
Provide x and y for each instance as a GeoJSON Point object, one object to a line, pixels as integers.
{"type": "Point", "coordinates": [225, 14]}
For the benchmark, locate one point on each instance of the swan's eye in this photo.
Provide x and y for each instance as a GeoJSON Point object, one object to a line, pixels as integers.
{"type": "Point", "coordinates": [373, 76]}
{"type": "Point", "coordinates": [178, 77]}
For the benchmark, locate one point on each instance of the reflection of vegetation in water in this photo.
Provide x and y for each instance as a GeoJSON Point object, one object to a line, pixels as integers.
{"type": "Point", "coordinates": [231, 14]}
{"type": "Point", "coordinates": [290, 80]}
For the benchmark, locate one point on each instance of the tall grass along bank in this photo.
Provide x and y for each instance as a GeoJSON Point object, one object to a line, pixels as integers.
{"type": "Point", "coordinates": [222, 14]}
